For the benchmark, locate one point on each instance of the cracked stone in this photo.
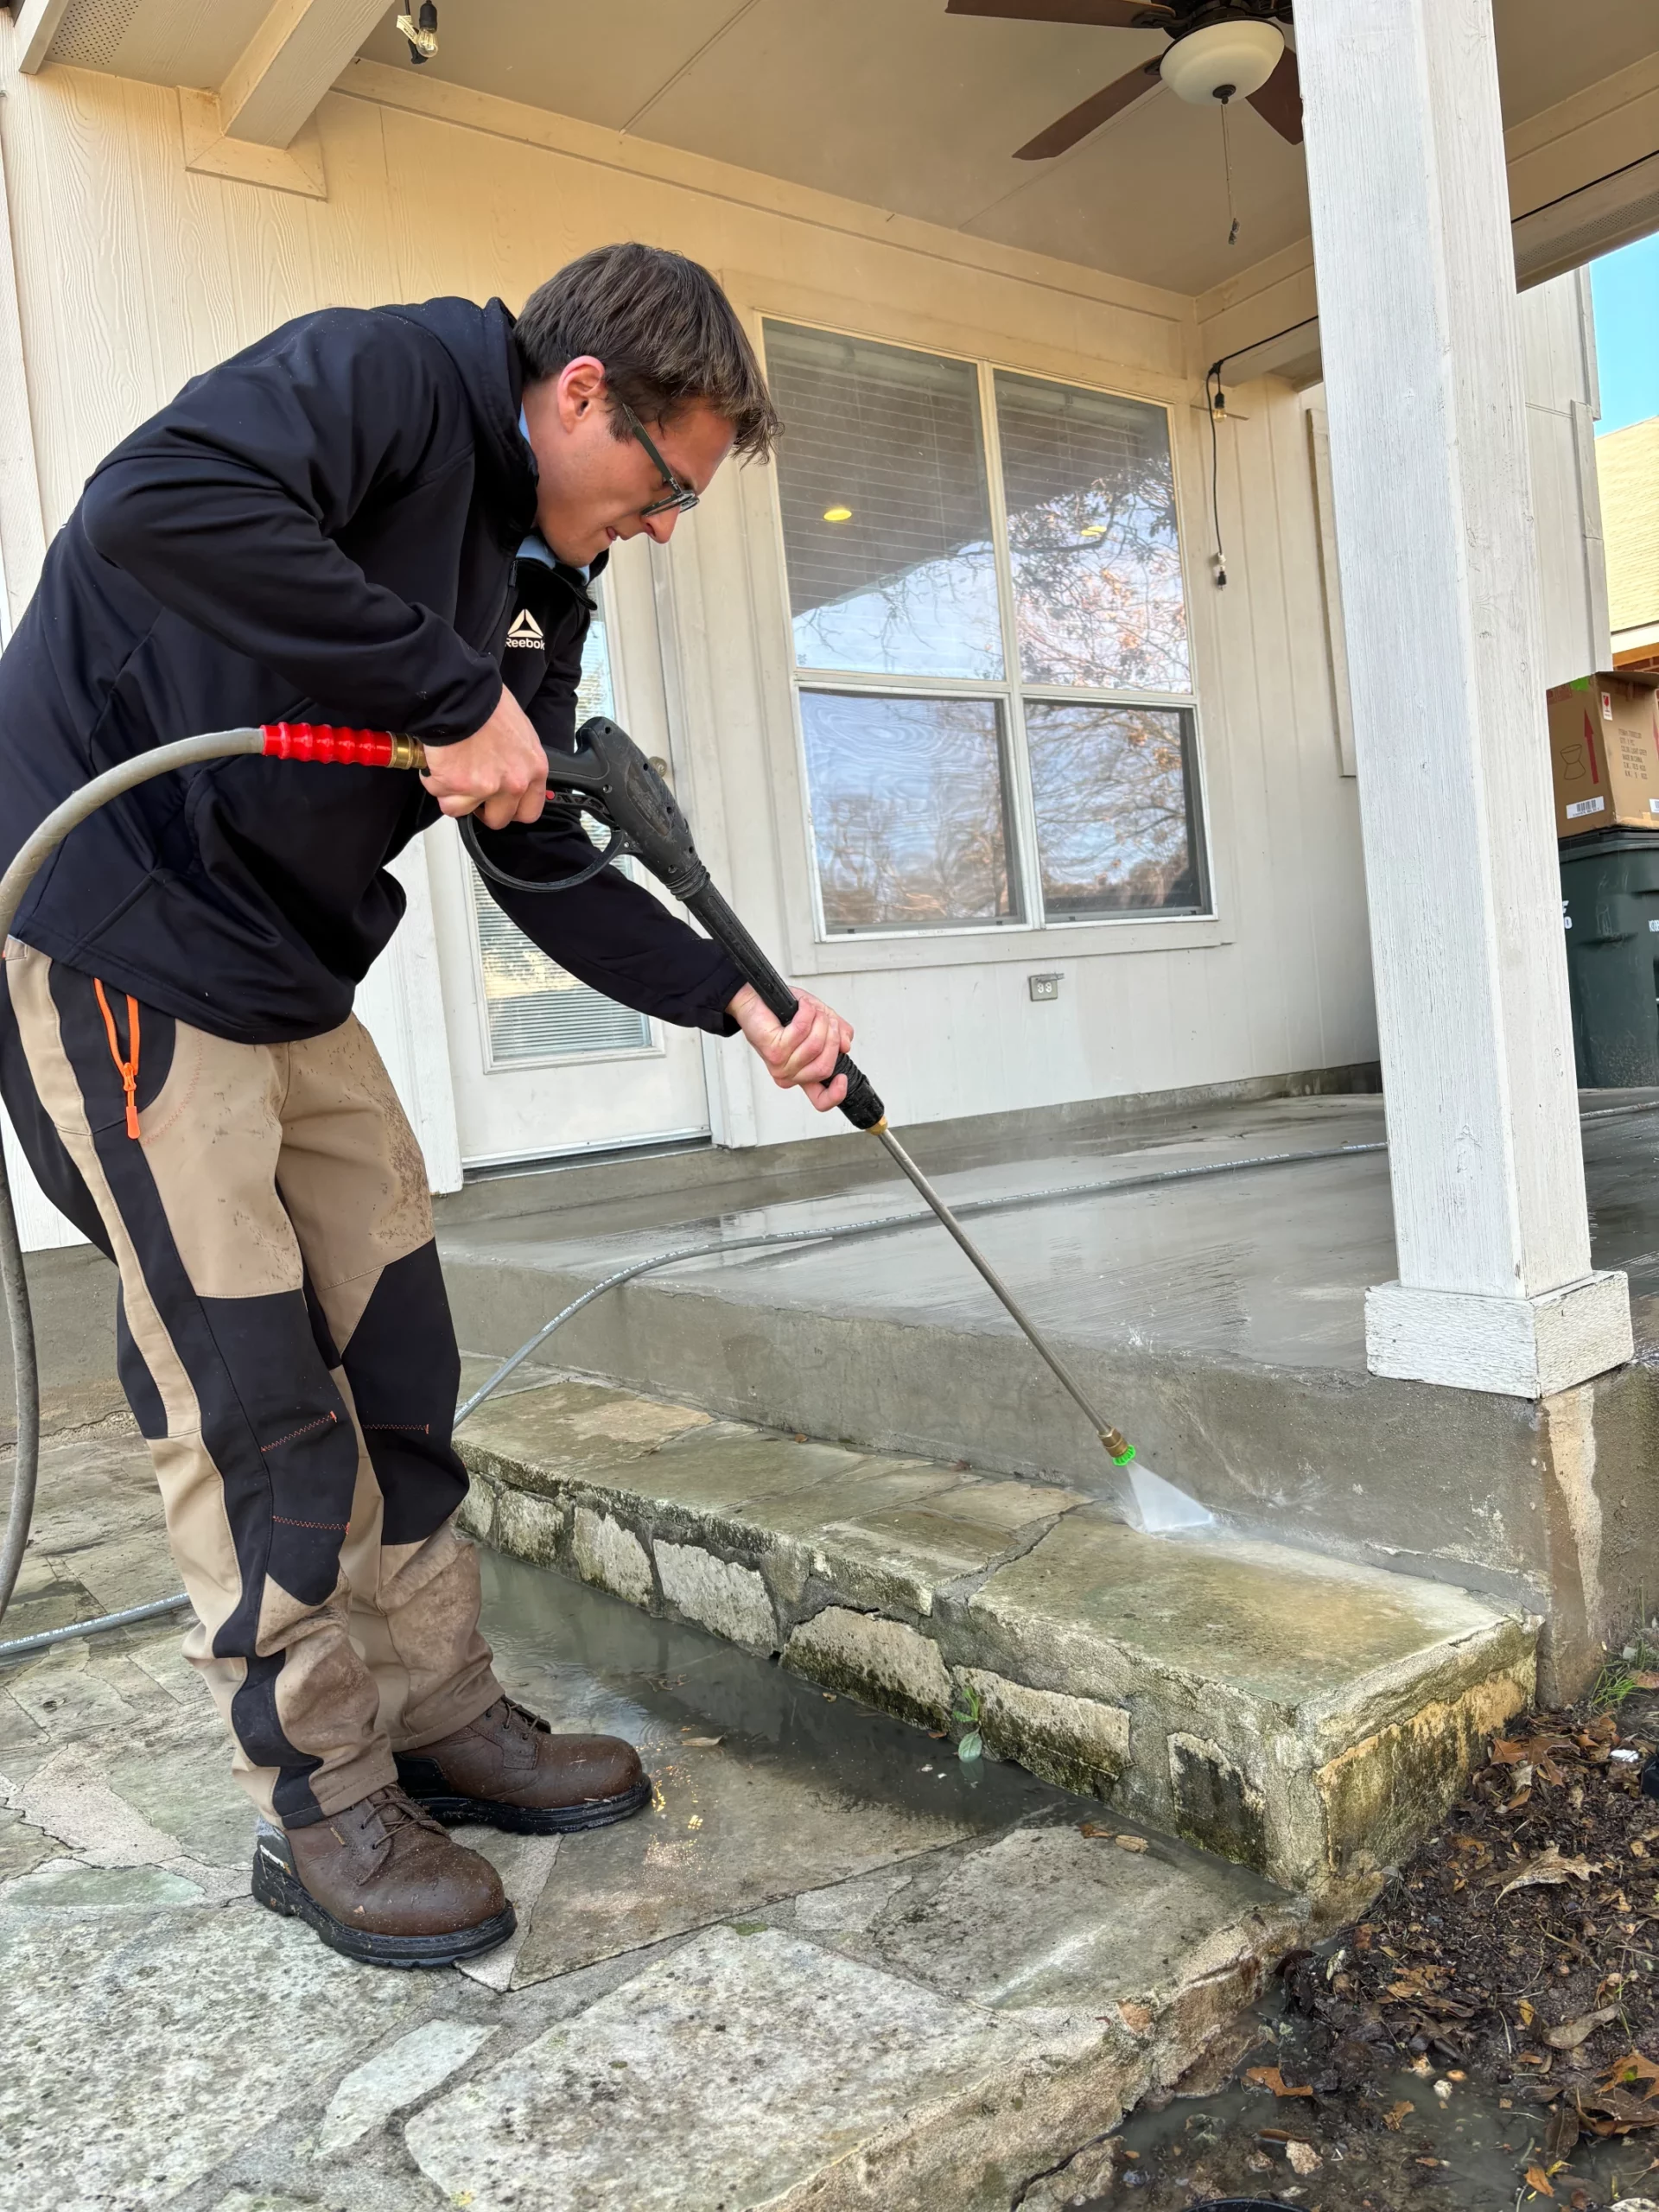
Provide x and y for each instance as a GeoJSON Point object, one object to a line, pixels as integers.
{"type": "Point", "coordinates": [718, 1594]}
{"type": "Point", "coordinates": [606, 1553]}
{"type": "Point", "coordinates": [1077, 1743]}
{"type": "Point", "coordinates": [791, 2059]}
{"type": "Point", "coordinates": [399, 2075]}
{"type": "Point", "coordinates": [883, 1661]}
{"type": "Point", "coordinates": [102, 2013]}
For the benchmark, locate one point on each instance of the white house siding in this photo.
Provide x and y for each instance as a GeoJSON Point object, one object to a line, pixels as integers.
{"type": "Point", "coordinates": [1558, 355]}
{"type": "Point", "coordinates": [133, 274]}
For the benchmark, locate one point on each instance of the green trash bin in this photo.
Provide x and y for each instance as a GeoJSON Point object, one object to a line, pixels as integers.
{"type": "Point", "coordinates": [1610, 904]}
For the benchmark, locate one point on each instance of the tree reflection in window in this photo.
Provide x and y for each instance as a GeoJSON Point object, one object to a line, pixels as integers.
{"type": "Point", "coordinates": [1115, 822]}
{"type": "Point", "coordinates": [901, 576]}
{"type": "Point", "coordinates": [1098, 596]}
{"type": "Point", "coordinates": [909, 811]}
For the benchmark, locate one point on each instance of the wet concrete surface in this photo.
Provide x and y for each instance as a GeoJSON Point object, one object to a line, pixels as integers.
{"type": "Point", "coordinates": [1219, 1319]}
{"type": "Point", "coordinates": [829, 1959]}
{"type": "Point", "coordinates": [1247, 1262]}
{"type": "Point", "coordinates": [1267, 1264]}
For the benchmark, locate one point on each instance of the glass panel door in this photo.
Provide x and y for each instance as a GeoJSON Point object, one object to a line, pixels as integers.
{"type": "Point", "coordinates": [544, 1065]}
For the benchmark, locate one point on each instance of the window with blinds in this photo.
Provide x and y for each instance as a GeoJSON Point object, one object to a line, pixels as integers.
{"type": "Point", "coordinates": [534, 1009]}
{"type": "Point", "coordinates": [989, 625]}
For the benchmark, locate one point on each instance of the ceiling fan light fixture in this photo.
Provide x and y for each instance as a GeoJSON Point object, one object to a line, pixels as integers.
{"type": "Point", "coordinates": [1226, 60]}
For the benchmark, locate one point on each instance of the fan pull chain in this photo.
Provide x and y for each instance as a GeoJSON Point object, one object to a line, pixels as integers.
{"type": "Point", "coordinates": [1227, 165]}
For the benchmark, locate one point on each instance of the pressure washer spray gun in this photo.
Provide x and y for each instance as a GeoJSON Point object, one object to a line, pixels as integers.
{"type": "Point", "coordinates": [609, 779]}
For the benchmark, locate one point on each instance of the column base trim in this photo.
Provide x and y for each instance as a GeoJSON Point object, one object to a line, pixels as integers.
{"type": "Point", "coordinates": [1521, 1347]}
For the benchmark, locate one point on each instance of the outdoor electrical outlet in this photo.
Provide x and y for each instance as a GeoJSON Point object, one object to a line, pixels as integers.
{"type": "Point", "coordinates": [1043, 987]}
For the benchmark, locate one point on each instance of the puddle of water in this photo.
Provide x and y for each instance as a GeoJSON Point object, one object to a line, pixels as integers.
{"type": "Point", "coordinates": [586, 1660]}
{"type": "Point", "coordinates": [1482, 2150]}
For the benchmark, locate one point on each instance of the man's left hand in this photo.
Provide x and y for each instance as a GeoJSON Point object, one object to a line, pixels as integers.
{"type": "Point", "coordinates": [803, 1055]}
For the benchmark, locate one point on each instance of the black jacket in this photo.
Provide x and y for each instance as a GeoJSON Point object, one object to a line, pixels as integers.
{"type": "Point", "coordinates": [323, 528]}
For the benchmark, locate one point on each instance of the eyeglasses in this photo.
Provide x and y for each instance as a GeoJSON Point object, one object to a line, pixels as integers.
{"type": "Point", "coordinates": [681, 497]}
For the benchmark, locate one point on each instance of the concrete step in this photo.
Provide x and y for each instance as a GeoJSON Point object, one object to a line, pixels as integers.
{"type": "Point", "coordinates": [1307, 1718]}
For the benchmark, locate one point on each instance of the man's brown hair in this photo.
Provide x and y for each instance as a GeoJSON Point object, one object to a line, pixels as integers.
{"type": "Point", "coordinates": [666, 332]}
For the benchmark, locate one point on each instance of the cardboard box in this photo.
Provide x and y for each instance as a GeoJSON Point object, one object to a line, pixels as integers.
{"type": "Point", "coordinates": [1604, 749]}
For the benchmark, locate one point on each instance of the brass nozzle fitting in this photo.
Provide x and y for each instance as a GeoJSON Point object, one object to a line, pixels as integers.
{"type": "Point", "coordinates": [1118, 1445]}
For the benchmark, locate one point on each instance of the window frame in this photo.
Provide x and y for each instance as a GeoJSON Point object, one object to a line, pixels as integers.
{"type": "Point", "coordinates": [1010, 688]}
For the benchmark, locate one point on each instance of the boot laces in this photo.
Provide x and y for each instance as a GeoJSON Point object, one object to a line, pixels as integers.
{"type": "Point", "coordinates": [395, 1811]}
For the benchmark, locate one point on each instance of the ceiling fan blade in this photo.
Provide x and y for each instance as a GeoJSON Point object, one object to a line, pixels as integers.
{"type": "Point", "coordinates": [1100, 107]}
{"type": "Point", "coordinates": [1105, 15]}
{"type": "Point", "coordinates": [1279, 100]}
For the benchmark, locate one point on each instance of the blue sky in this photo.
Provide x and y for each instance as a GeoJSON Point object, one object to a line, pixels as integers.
{"type": "Point", "coordinates": [1626, 287]}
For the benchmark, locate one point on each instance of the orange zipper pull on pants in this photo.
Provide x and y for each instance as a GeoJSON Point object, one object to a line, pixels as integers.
{"type": "Point", "coordinates": [128, 1070]}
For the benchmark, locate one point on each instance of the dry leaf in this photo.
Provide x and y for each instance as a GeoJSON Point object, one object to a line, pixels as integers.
{"type": "Point", "coordinates": [1130, 1842]}
{"type": "Point", "coordinates": [1137, 2019]}
{"type": "Point", "coordinates": [1395, 2113]}
{"type": "Point", "coordinates": [1508, 1754]}
{"type": "Point", "coordinates": [1539, 2180]}
{"type": "Point", "coordinates": [1561, 2134]}
{"type": "Point", "coordinates": [1549, 1866]}
{"type": "Point", "coordinates": [1572, 2033]}
{"type": "Point", "coordinates": [1528, 2016]}
{"type": "Point", "coordinates": [1633, 2066]}
{"type": "Point", "coordinates": [1271, 2078]}
{"type": "Point", "coordinates": [1621, 2111]}
{"type": "Point", "coordinates": [1643, 1680]}
{"type": "Point", "coordinates": [1303, 2156]}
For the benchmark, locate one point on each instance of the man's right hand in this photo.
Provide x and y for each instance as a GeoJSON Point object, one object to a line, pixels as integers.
{"type": "Point", "coordinates": [500, 770]}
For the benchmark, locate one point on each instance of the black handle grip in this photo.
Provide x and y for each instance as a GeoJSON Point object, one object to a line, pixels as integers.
{"type": "Point", "coordinates": [860, 1105]}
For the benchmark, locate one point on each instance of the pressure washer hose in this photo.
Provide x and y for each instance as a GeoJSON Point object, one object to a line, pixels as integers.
{"type": "Point", "coordinates": [373, 749]}
{"type": "Point", "coordinates": [362, 748]}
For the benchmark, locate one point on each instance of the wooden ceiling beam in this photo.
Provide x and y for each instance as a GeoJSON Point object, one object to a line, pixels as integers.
{"type": "Point", "coordinates": [37, 26]}
{"type": "Point", "coordinates": [273, 86]}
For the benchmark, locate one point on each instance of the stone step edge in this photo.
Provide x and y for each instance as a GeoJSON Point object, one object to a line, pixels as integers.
{"type": "Point", "coordinates": [1327, 1821]}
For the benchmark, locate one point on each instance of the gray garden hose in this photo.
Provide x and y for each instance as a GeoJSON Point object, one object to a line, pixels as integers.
{"type": "Point", "coordinates": [226, 743]}
{"type": "Point", "coordinates": [186, 753]}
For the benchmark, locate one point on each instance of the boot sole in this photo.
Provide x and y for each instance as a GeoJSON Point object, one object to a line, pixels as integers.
{"type": "Point", "coordinates": [535, 1820]}
{"type": "Point", "coordinates": [281, 1890]}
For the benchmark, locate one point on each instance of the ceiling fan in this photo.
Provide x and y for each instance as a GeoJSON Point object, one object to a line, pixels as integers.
{"type": "Point", "coordinates": [1218, 50]}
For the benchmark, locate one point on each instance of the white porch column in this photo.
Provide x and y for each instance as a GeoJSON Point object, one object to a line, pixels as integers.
{"type": "Point", "coordinates": [1428, 461]}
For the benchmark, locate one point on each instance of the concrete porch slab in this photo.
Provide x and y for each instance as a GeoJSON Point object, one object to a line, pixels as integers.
{"type": "Point", "coordinates": [1306, 1717]}
{"type": "Point", "coordinates": [1218, 1321]}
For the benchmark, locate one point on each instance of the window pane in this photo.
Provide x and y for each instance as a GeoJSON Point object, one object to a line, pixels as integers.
{"type": "Point", "coordinates": [1116, 824]}
{"type": "Point", "coordinates": [909, 810]}
{"type": "Point", "coordinates": [594, 692]}
{"type": "Point", "coordinates": [534, 1009]}
{"type": "Point", "coordinates": [888, 441]}
{"type": "Point", "coordinates": [1091, 531]}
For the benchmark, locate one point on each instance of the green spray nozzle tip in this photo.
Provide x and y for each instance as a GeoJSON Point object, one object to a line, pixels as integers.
{"type": "Point", "coordinates": [1122, 1458]}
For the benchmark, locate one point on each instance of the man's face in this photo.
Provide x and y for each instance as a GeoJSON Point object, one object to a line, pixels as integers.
{"type": "Point", "coordinates": [594, 485]}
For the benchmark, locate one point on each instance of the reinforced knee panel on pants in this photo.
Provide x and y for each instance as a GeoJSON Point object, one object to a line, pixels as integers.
{"type": "Point", "coordinates": [233, 1374]}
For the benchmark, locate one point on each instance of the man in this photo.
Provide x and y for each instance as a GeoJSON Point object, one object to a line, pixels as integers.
{"type": "Point", "coordinates": [341, 524]}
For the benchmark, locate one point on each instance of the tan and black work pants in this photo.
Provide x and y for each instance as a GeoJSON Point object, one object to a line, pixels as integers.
{"type": "Point", "coordinates": [286, 1346]}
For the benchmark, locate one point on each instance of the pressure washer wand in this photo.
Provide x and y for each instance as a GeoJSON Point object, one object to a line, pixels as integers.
{"type": "Point", "coordinates": [608, 777]}
{"type": "Point", "coordinates": [865, 1111]}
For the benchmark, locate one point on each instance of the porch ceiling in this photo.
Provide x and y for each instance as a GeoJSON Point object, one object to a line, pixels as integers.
{"type": "Point", "coordinates": [895, 103]}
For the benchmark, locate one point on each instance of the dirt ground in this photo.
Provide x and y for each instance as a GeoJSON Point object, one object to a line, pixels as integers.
{"type": "Point", "coordinates": [1488, 2036]}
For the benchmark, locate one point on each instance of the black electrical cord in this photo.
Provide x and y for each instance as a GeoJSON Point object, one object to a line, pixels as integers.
{"type": "Point", "coordinates": [1216, 407]}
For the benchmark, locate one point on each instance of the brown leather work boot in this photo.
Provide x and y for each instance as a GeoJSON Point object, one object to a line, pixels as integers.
{"type": "Point", "coordinates": [383, 1882]}
{"type": "Point", "coordinates": [508, 1770]}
